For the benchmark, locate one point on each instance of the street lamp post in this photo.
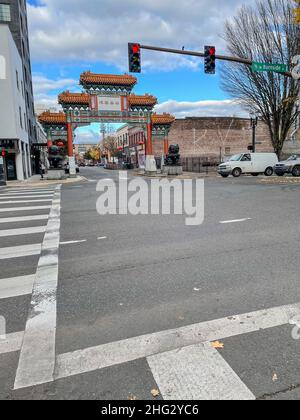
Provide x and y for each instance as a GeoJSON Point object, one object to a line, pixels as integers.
{"type": "Point", "coordinates": [254, 122]}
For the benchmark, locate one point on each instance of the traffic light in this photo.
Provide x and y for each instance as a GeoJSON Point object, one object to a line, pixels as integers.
{"type": "Point", "coordinates": [210, 60]}
{"type": "Point", "coordinates": [3, 153]}
{"type": "Point", "coordinates": [134, 57]}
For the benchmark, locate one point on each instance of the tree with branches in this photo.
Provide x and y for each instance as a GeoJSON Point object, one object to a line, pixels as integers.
{"type": "Point", "coordinates": [109, 145]}
{"type": "Point", "coordinates": [266, 33]}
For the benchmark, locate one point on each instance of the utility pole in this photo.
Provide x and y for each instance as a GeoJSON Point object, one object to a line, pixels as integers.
{"type": "Point", "coordinates": [254, 122]}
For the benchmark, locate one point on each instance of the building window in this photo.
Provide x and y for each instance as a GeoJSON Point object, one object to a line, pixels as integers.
{"type": "Point", "coordinates": [5, 15]}
{"type": "Point", "coordinates": [20, 112]}
{"type": "Point", "coordinates": [17, 77]}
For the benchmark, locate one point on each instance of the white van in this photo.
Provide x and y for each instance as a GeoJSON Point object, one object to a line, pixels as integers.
{"type": "Point", "coordinates": [249, 163]}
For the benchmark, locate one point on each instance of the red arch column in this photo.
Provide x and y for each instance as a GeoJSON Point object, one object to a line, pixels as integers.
{"type": "Point", "coordinates": [70, 150]}
{"type": "Point", "coordinates": [149, 144]}
{"type": "Point", "coordinates": [70, 139]}
{"type": "Point", "coordinates": [166, 145]}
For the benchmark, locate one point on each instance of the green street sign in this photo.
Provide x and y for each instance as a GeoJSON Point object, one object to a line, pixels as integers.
{"type": "Point", "coordinates": [278, 68]}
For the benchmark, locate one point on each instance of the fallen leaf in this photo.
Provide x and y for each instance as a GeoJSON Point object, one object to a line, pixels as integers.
{"type": "Point", "coordinates": [132, 398]}
{"type": "Point", "coordinates": [181, 318]}
{"type": "Point", "coordinates": [275, 378]}
{"type": "Point", "coordinates": [155, 393]}
{"type": "Point", "coordinates": [217, 345]}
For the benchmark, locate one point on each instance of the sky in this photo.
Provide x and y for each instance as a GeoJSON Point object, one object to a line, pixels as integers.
{"type": "Point", "coordinates": [71, 36]}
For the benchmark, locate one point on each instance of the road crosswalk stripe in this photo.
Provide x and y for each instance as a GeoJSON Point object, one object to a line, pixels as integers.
{"type": "Point", "coordinates": [18, 197]}
{"type": "Point", "coordinates": [13, 209]}
{"type": "Point", "coordinates": [106, 355]}
{"type": "Point", "coordinates": [26, 192]}
{"type": "Point", "coordinates": [22, 231]}
{"type": "Point", "coordinates": [26, 201]}
{"type": "Point", "coordinates": [16, 286]}
{"type": "Point", "coordinates": [11, 343]}
{"type": "Point", "coordinates": [23, 218]}
{"type": "Point", "coordinates": [37, 356]}
{"type": "Point", "coordinates": [20, 251]}
{"type": "Point", "coordinates": [197, 372]}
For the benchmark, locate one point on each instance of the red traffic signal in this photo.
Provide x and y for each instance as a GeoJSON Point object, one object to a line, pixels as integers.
{"type": "Point", "coordinates": [210, 59]}
{"type": "Point", "coordinates": [3, 153]}
{"type": "Point", "coordinates": [134, 58]}
{"type": "Point", "coordinates": [136, 48]}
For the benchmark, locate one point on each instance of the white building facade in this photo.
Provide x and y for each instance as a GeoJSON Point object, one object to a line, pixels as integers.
{"type": "Point", "coordinates": [14, 141]}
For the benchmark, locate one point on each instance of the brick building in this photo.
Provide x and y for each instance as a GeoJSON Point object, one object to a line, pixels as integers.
{"type": "Point", "coordinates": [215, 138]}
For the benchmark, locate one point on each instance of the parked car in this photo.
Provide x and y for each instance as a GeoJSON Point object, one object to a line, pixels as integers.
{"type": "Point", "coordinates": [290, 166]}
{"type": "Point", "coordinates": [249, 163]}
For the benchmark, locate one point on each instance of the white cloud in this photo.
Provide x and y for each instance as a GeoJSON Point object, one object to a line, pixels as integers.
{"type": "Point", "coordinates": [88, 135]}
{"type": "Point", "coordinates": [43, 84]}
{"type": "Point", "coordinates": [223, 108]}
{"type": "Point", "coordinates": [89, 30]}
{"type": "Point", "coordinates": [46, 90]}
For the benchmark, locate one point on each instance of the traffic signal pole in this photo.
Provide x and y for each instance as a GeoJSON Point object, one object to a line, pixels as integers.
{"type": "Point", "coordinates": [238, 60]}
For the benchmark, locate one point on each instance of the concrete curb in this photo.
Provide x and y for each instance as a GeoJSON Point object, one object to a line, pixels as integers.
{"type": "Point", "coordinates": [44, 182]}
{"type": "Point", "coordinates": [186, 175]}
{"type": "Point", "coordinates": [280, 181]}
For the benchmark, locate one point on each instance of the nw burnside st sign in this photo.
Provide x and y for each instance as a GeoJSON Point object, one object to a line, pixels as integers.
{"type": "Point", "coordinates": [279, 68]}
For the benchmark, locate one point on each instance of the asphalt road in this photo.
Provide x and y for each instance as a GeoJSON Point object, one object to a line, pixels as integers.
{"type": "Point", "coordinates": [125, 281]}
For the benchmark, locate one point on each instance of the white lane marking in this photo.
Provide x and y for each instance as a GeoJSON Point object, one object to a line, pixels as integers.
{"type": "Point", "coordinates": [73, 242]}
{"type": "Point", "coordinates": [26, 192]}
{"type": "Point", "coordinates": [101, 238]}
{"type": "Point", "coordinates": [13, 209]}
{"type": "Point", "coordinates": [235, 221]}
{"type": "Point", "coordinates": [37, 356]}
{"type": "Point", "coordinates": [26, 201]}
{"type": "Point", "coordinates": [20, 251]}
{"type": "Point", "coordinates": [124, 351]}
{"type": "Point", "coordinates": [23, 218]}
{"type": "Point", "coordinates": [18, 197]}
{"type": "Point", "coordinates": [23, 231]}
{"type": "Point", "coordinates": [197, 372]}
{"type": "Point", "coordinates": [11, 343]}
{"type": "Point", "coordinates": [16, 286]}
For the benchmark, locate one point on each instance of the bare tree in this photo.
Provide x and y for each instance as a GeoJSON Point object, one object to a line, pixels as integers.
{"type": "Point", "coordinates": [109, 144]}
{"type": "Point", "coordinates": [265, 33]}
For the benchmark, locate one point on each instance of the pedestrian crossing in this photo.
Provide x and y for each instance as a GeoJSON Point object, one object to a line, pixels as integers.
{"type": "Point", "coordinates": [183, 362]}
{"type": "Point", "coordinates": [23, 218]}
{"type": "Point", "coordinates": [180, 370]}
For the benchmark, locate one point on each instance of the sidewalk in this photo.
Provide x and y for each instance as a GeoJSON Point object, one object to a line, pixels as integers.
{"type": "Point", "coordinates": [280, 180]}
{"type": "Point", "coordinates": [185, 175]}
{"type": "Point", "coordinates": [36, 181]}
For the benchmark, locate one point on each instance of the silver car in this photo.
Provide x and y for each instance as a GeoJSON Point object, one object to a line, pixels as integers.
{"type": "Point", "coordinates": [290, 166]}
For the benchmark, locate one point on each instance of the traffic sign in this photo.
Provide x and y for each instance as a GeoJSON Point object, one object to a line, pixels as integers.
{"type": "Point", "coordinates": [278, 68]}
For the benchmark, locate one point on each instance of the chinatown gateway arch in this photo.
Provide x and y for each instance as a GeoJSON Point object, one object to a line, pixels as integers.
{"type": "Point", "coordinates": [107, 99]}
